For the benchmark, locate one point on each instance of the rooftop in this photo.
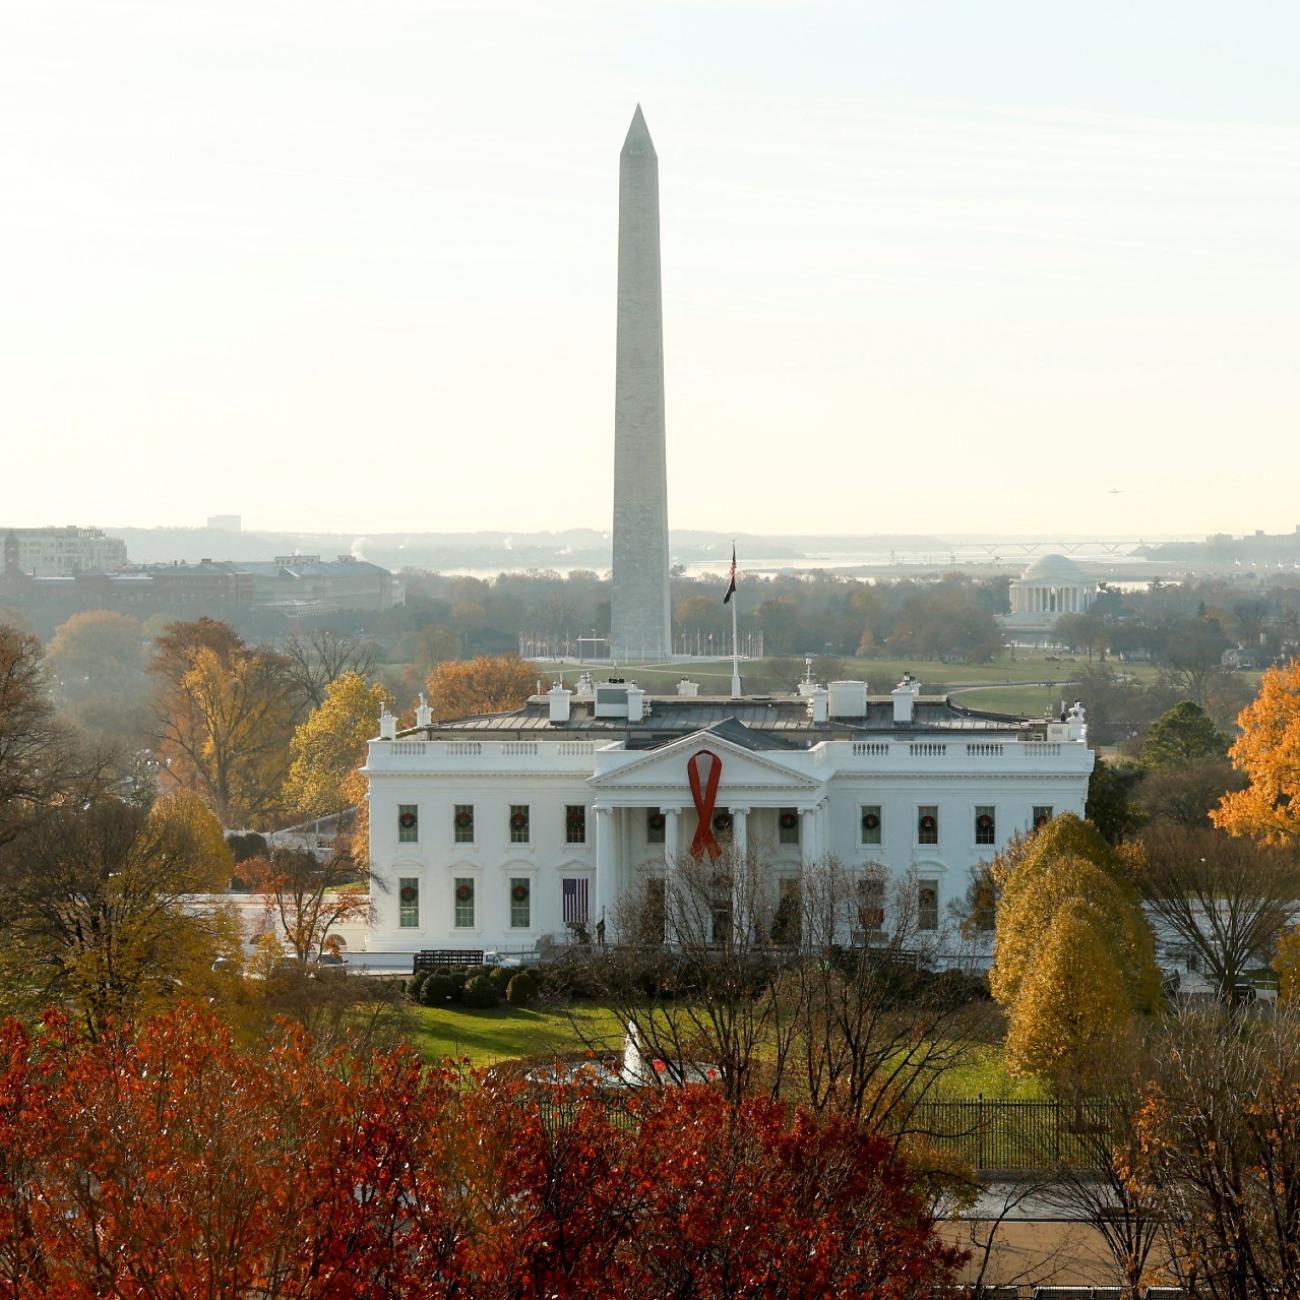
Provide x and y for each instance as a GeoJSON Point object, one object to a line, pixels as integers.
{"type": "Point", "coordinates": [758, 722]}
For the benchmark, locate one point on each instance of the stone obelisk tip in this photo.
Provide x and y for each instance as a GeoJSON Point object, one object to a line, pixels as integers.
{"type": "Point", "coordinates": [638, 135]}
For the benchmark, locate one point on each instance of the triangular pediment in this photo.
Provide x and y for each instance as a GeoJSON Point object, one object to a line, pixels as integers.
{"type": "Point", "coordinates": [742, 768]}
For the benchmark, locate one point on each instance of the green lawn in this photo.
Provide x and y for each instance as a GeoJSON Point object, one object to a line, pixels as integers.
{"type": "Point", "coordinates": [986, 1075]}
{"type": "Point", "coordinates": [767, 675]}
{"type": "Point", "coordinates": [487, 1037]}
{"type": "Point", "coordinates": [507, 1032]}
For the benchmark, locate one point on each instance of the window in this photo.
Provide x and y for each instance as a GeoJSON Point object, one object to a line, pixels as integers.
{"type": "Point", "coordinates": [1042, 814]}
{"type": "Point", "coordinates": [463, 823]}
{"type": "Point", "coordinates": [521, 900]}
{"type": "Point", "coordinates": [575, 823]}
{"type": "Point", "coordinates": [464, 895]}
{"type": "Point", "coordinates": [408, 823]}
{"type": "Point", "coordinates": [986, 824]}
{"type": "Point", "coordinates": [871, 907]}
{"type": "Point", "coordinates": [518, 823]}
{"type": "Point", "coordinates": [927, 905]}
{"type": "Point", "coordinates": [787, 822]}
{"type": "Point", "coordinates": [654, 826]}
{"type": "Point", "coordinates": [927, 824]}
{"type": "Point", "coordinates": [871, 820]}
{"type": "Point", "coordinates": [408, 900]}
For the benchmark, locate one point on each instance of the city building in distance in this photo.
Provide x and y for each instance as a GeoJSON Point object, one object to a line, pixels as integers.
{"type": "Point", "coordinates": [60, 552]}
{"type": "Point", "coordinates": [302, 586]}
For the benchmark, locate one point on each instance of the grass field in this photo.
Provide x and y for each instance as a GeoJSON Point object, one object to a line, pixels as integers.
{"type": "Point", "coordinates": [488, 1037]}
{"type": "Point", "coordinates": [766, 675]}
{"type": "Point", "coordinates": [485, 1037]}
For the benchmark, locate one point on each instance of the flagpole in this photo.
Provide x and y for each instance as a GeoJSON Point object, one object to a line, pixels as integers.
{"type": "Point", "coordinates": [735, 643]}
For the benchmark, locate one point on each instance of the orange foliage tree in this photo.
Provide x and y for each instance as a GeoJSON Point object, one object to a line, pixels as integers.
{"type": "Point", "coordinates": [484, 684]}
{"type": "Point", "coordinates": [173, 1163]}
{"type": "Point", "coordinates": [1268, 752]}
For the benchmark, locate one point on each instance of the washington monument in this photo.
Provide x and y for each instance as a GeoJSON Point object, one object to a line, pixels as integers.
{"type": "Point", "coordinates": [640, 617]}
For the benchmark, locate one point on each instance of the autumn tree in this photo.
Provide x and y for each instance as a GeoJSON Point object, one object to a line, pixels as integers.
{"type": "Point", "coordinates": [329, 747]}
{"type": "Point", "coordinates": [1220, 1140]}
{"type": "Point", "coordinates": [1268, 752]}
{"type": "Point", "coordinates": [93, 912]}
{"type": "Point", "coordinates": [1186, 794]}
{"type": "Point", "coordinates": [225, 719]}
{"type": "Point", "coordinates": [1061, 862]}
{"type": "Point", "coordinates": [186, 813]}
{"type": "Point", "coordinates": [485, 684]}
{"type": "Point", "coordinates": [313, 663]}
{"type": "Point", "coordinates": [1073, 954]}
{"type": "Point", "coordinates": [305, 898]}
{"type": "Point", "coordinates": [1072, 1006]}
{"type": "Point", "coordinates": [41, 763]}
{"type": "Point", "coordinates": [1226, 899]}
{"type": "Point", "coordinates": [1183, 735]}
{"type": "Point", "coordinates": [172, 1161]}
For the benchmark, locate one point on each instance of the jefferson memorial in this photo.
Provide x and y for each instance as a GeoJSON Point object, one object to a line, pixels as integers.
{"type": "Point", "coordinates": [1051, 586]}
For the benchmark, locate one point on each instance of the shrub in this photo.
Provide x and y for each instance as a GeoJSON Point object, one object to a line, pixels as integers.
{"type": "Point", "coordinates": [458, 978]}
{"type": "Point", "coordinates": [480, 993]}
{"type": "Point", "coordinates": [522, 989]}
{"type": "Point", "coordinates": [437, 991]}
{"type": "Point", "coordinates": [415, 984]}
{"type": "Point", "coordinates": [500, 978]}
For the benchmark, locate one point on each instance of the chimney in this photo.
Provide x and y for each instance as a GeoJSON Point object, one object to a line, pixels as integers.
{"type": "Point", "coordinates": [558, 700]}
{"type": "Point", "coordinates": [387, 724]}
{"type": "Point", "coordinates": [848, 700]}
{"type": "Point", "coordinates": [904, 697]}
{"type": "Point", "coordinates": [819, 696]}
{"type": "Point", "coordinates": [635, 703]}
{"type": "Point", "coordinates": [423, 713]}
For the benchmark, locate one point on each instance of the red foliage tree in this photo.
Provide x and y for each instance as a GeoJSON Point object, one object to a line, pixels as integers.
{"type": "Point", "coordinates": [174, 1163]}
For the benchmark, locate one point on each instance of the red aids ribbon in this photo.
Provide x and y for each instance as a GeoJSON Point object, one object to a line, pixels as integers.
{"type": "Point", "coordinates": [705, 796]}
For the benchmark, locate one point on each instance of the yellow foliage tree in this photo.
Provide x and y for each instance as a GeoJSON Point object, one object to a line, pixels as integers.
{"type": "Point", "coordinates": [1286, 961]}
{"type": "Point", "coordinates": [1024, 921]}
{"type": "Point", "coordinates": [225, 728]}
{"type": "Point", "coordinates": [1066, 859]}
{"type": "Point", "coordinates": [1268, 752]}
{"type": "Point", "coordinates": [186, 814]}
{"type": "Point", "coordinates": [485, 684]}
{"type": "Point", "coordinates": [329, 746]}
{"type": "Point", "coordinates": [1073, 1007]}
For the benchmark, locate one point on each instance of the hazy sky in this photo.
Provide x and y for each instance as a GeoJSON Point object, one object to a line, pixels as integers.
{"type": "Point", "coordinates": [942, 267]}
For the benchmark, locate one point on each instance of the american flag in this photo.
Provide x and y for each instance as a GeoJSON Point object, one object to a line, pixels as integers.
{"type": "Point", "coordinates": [575, 901]}
{"type": "Point", "coordinates": [731, 577]}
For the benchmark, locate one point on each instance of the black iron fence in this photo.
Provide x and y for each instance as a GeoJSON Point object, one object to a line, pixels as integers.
{"type": "Point", "coordinates": [1015, 1136]}
{"type": "Point", "coordinates": [1007, 1137]}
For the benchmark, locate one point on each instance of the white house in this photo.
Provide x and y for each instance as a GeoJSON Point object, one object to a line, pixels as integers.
{"type": "Point", "coordinates": [502, 830]}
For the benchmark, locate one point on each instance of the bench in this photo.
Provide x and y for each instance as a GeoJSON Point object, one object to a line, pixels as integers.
{"type": "Point", "coordinates": [432, 958]}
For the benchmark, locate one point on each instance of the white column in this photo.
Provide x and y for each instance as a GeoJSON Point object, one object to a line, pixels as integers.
{"type": "Point", "coordinates": [671, 883]}
{"type": "Point", "coordinates": [742, 922]}
{"type": "Point", "coordinates": [740, 829]}
{"type": "Point", "coordinates": [808, 837]}
{"type": "Point", "coordinates": [605, 854]}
